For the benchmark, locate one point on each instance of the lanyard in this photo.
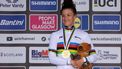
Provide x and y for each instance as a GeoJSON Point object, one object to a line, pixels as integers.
{"type": "Point", "coordinates": [67, 46]}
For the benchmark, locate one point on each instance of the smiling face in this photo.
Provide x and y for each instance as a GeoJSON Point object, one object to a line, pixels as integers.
{"type": "Point", "coordinates": [68, 17]}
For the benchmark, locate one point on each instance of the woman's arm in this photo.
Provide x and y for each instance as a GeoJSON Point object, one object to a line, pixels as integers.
{"type": "Point", "coordinates": [54, 59]}
{"type": "Point", "coordinates": [92, 57]}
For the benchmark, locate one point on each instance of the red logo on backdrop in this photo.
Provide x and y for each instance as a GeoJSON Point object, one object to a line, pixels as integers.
{"type": "Point", "coordinates": [43, 22]}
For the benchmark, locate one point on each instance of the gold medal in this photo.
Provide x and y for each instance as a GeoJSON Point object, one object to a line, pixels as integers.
{"type": "Point", "coordinates": [66, 54]}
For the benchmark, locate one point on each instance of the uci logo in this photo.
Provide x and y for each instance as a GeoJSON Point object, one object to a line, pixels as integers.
{"type": "Point", "coordinates": [102, 3]}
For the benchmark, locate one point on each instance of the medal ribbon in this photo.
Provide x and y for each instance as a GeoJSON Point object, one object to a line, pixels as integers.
{"type": "Point", "coordinates": [67, 46]}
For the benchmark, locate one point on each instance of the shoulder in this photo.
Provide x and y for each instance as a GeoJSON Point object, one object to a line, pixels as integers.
{"type": "Point", "coordinates": [57, 33]}
{"type": "Point", "coordinates": [79, 31]}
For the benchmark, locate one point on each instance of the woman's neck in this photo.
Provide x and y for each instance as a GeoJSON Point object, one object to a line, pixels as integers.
{"type": "Point", "coordinates": [69, 27]}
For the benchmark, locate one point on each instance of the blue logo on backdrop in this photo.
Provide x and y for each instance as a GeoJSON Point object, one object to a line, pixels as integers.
{"type": "Point", "coordinates": [84, 22]}
{"type": "Point", "coordinates": [12, 22]}
{"type": "Point", "coordinates": [106, 67]}
{"type": "Point", "coordinates": [43, 5]}
{"type": "Point", "coordinates": [106, 22]}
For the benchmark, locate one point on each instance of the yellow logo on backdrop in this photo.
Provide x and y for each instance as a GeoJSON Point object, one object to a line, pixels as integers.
{"type": "Point", "coordinates": [77, 22]}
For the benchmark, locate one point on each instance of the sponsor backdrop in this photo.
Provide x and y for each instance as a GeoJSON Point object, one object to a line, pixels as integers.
{"type": "Point", "coordinates": [26, 25]}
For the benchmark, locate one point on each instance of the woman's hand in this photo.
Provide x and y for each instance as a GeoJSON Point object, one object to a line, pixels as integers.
{"type": "Point", "coordinates": [74, 64]}
{"type": "Point", "coordinates": [77, 63]}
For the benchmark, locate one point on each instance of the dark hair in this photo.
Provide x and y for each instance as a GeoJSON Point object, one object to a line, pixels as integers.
{"type": "Point", "coordinates": [68, 4]}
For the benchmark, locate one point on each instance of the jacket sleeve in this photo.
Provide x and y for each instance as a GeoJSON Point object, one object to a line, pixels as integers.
{"type": "Point", "coordinates": [54, 59]}
{"type": "Point", "coordinates": [93, 57]}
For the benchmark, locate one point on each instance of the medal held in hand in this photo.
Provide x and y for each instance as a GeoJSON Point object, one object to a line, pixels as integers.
{"type": "Point", "coordinates": [66, 54]}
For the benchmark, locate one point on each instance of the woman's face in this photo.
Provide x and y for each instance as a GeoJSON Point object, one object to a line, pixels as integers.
{"type": "Point", "coordinates": [68, 17]}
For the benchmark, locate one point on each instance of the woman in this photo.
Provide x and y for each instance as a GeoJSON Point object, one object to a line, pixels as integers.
{"type": "Point", "coordinates": [64, 42]}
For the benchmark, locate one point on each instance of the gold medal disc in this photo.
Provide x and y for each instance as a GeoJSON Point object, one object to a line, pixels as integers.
{"type": "Point", "coordinates": [66, 54]}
